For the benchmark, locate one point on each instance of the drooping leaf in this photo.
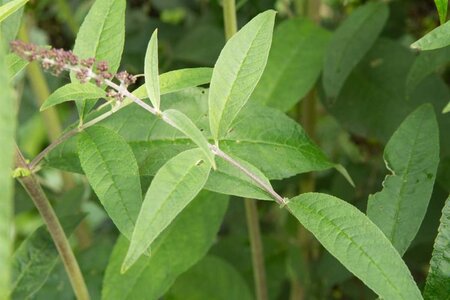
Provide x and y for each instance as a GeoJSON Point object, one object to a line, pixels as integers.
{"type": "Point", "coordinates": [36, 258]}
{"type": "Point", "coordinates": [357, 243]}
{"type": "Point", "coordinates": [197, 282]}
{"type": "Point", "coordinates": [101, 36]}
{"type": "Point", "coordinates": [442, 6]}
{"type": "Point", "coordinates": [438, 280]}
{"type": "Point", "coordinates": [178, 80]}
{"type": "Point", "coordinates": [237, 71]}
{"type": "Point", "coordinates": [435, 39]}
{"type": "Point", "coordinates": [112, 171]}
{"type": "Point", "coordinates": [10, 7]}
{"type": "Point", "coordinates": [179, 247]}
{"type": "Point", "coordinates": [175, 185]}
{"type": "Point", "coordinates": [294, 64]}
{"type": "Point", "coordinates": [412, 155]}
{"type": "Point", "coordinates": [181, 122]}
{"type": "Point", "coordinates": [351, 41]}
{"type": "Point", "coordinates": [73, 91]}
{"type": "Point", "coordinates": [7, 150]}
{"type": "Point", "coordinates": [152, 71]}
{"type": "Point", "coordinates": [264, 137]}
{"type": "Point", "coordinates": [15, 64]}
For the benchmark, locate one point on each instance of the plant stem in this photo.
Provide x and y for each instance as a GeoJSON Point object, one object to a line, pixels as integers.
{"type": "Point", "coordinates": [259, 270]}
{"type": "Point", "coordinates": [41, 202]}
{"type": "Point", "coordinates": [229, 16]}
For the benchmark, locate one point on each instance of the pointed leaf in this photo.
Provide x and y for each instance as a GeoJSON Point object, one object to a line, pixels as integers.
{"type": "Point", "coordinates": [357, 243]}
{"type": "Point", "coordinates": [435, 39]}
{"type": "Point", "coordinates": [15, 64]}
{"type": "Point", "coordinates": [351, 41]}
{"type": "Point", "coordinates": [9, 8]}
{"type": "Point", "coordinates": [101, 36]}
{"type": "Point", "coordinates": [179, 247]}
{"type": "Point", "coordinates": [197, 282]}
{"type": "Point", "coordinates": [73, 91]}
{"type": "Point", "coordinates": [442, 6]}
{"type": "Point", "coordinates": [294, 64]}
{"type": "Point", "coordinates": [7, 150]}
{"type": "Point", "coordinates": [438, 280]}
{"type": "Point", "coordinates": [412, 155]}
{"type": "Point", "coordinates": [152, 71]}
{"type": "Point", "coordinates": [237, 71]}
{"type": "Point", "coordinates": [446, 108]}
{"type": "Point", "coordinates": [181, 122]}
{"type": "Point", "coordinates": [172, 189]}
{"type": "Point", "coordinates": [112, 171]}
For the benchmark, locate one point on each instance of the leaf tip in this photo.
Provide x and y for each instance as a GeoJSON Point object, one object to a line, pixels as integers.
{"type": "Point", "coordinates": [340, 168]}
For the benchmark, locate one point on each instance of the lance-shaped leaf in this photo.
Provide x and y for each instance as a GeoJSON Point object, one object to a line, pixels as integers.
{"type": "Point", "coordinates": [10, 26]}
{"type": "Point", "coordinates": [179, 247]}
{"type": "Point", "coordinates": [101, 36]}
{"type": "Point", "coordinates": [36, 258]}
{"type": "Point", "coordinates": [172, 189]}
{"type": "Point", "coordinates": [442, 7]}
{"type": "Point", "coordinates": [357, 243]}
{"type": "Point", "coordinates": [197, 282]}
{"type": "Point", "coordinates": [7, 138]}
{"type": "Point", "coordinates": [151, 71]}
{"type": "Point", "coordinates": [438, 280]}
{"type": "Point", "coordinates": [294, 64]}
{"type": "Point", "coordinates": [178, 80]}
{"type": "Point", "coordinates": [15, 64]}
{"type": "Point", "coordinates": [11, 7]}
{"type": "Point", "coordinates": [412, 155]}
{"type": "Point", "coordinates": [73, 91]}
{"type": "Point", "coordinates": [112, 171]}
{"type": "Point", "coordinates": [446, 108]}
{"type": "Point", "coordinates": [435, 39]}
{"type": "Point", "coordinates": [181, 122]}
{"type": "Point", "coordinates": [351, 41]}
{"type": "Point", "coordinates": [237, 71]}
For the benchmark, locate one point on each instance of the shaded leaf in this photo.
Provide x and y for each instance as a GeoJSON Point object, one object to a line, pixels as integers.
{"type": "Point", "coordinates": [197, 282]}
{"type": "Point", "coordinates": [179, 247]}
{"type": "Point", "coordinates": [10, 7]}
{"type": "Point", "coordinates": [73, 91]}
{"type": "Point", "coordinates": [357, 243]}
{"type": "Point", "coordinates": [112, 171]}
{"type": "Point", "coordinates": [152, 71]}
{"type": "Point", "coordinates": [435, 39]}
{"type": "Point", "coordinates": [438, 280]}
{"type": "Point", "coordinates": [412, 155]}
{"type": "Point", "coordinates": [351, 41]}
{"type": "Point", "coordinates": [294, 64]}
{"type": "Point", "coordinates": [237, 71]}
{"type": "Point", "coordinates": [172, 189]}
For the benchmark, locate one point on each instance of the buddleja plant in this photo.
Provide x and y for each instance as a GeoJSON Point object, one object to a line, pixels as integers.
{"type": "Point", "coordinates": [195, 141]}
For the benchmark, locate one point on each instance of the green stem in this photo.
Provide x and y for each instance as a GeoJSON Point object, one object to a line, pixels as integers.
{"type": "Point", "coordinates": [41, 202]}
{"type": "Point", "coordinates": [67, 14]}
{"type": "Point", "coordinates": [254, 231]}
{"type": "Point", "coordinates": [229, 16]}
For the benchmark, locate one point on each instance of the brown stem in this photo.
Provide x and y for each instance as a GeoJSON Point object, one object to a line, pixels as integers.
{"type": "Point", "coordinates": [47, 213]}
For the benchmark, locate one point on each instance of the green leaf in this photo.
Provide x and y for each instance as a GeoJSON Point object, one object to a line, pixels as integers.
{"type": "Point", "coordinates": [412, 155]}
{"type": "Point", "coordinates": [15, 64]}
{"type": "Point", "coordinates": [178, 80]}
{"type": "Point", "coordinates": [435, 39]}
{"type": "Point", "coordinates": [10, 26]}
{"type": "Point", "coordinates": [73, 91]}
{"type": "Point", "coordinates": [294, 64]}
{"type": "Point", "coordinates": [197, 282]}
{"type": "Point", "coordinates": [10, 7]}
{"type": "Point", "coordinates": [112, 171]}
{"type": "Point", "coordinates": [181, 122]}
{"type": "Point", "coordinates": [442, 6]}
{"type": "Point", "coordinates": [237, 71]}
{"type": "Point", "coordinates": [7, 151]}
{"type": "Point", "coordinates": [36, 258]}
{"type": "Point", "coordinates": [438, 280]}
{"type": "Point", "coordinates": [101, 36]}
{"type": "Point", "coordinates": [446, 108]}
{"type": "Point", "coordinates": [357, 243]}
{"type": "Point", "coordinates": [179, 247]}
{"type": "Point", "coordinates": [172, 189]}
{"type": "Point", "coordinates": [152, 71]}
{"type": "Point", "coordinates": [351, 41]}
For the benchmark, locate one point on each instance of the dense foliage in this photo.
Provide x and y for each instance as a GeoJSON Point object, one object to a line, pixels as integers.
{"type": "Point", "coordinates": [205, 149]}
